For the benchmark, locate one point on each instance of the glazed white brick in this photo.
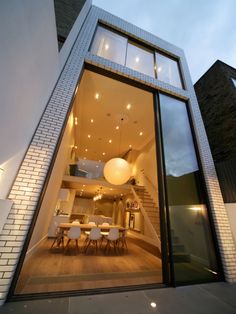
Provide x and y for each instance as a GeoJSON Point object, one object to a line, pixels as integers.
{"type": "Point", "coordinates": [5, 250]}
{"type": "Point", "coordinates": [8, 268]}
{"type": "Point", "coordinates": [11, 227]}
{"type": "Point", "coordinates": [15, 216]}
{"type": "Point", "coordinates": [10, 256]}
{"type": "Point", "coordinates": [7, 274]}
{"type": "Point", "coordinates": [17, 232]}
{"type": "Point", "coordinates": [3, 288]}
{"type": "Point", "coordinates": [13, 243]}
{"type": "Point", "coordinates": [8, 238]}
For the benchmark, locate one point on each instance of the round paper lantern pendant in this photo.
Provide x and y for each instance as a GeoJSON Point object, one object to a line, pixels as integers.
{"type": "Point", "coordinates": [117, 171]}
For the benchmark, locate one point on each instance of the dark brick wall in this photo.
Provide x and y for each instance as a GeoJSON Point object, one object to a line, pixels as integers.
{"type": "Point", "coordinates": [66, 12]}
{"type": "Point", "coordinates": [216, 95]}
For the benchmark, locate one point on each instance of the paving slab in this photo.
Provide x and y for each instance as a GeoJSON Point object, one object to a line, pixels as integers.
{"type": "Point", "coordinates": [213, 298]}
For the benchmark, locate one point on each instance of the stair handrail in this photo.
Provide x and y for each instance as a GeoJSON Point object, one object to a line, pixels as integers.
{"type": "Point", "coordinates": [146, 218]}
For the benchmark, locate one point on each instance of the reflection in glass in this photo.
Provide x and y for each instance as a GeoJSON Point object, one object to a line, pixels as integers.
{"type": "Point", "coordinates": [168, 71]}
{"type": "Point", "coordinates": [109, 45]}
{"type": "Point", "coordinates": [234, 81]}
{"type": "Point", "coordinates": [193, 250]}
{"type": "Point", "coordinates": [140, 59]}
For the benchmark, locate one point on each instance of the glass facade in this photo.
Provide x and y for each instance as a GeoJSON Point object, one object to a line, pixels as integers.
{"type": "Point", "coordinates": [140, 59]}
{"type": "Point", "coordinates": [109, 45]}
{"type": "Point", "coordinates": [168, 70]}
{"type": "Point", "coordinates": [193, 250]}
{"type": "Point", "coordinates": [114, 47]}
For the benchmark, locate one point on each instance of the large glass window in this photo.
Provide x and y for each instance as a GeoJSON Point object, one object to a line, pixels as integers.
{"type": "Point", "coordinates": [168, 70]}
{"type": "Point", "coordinates": [71, 247]}
{"type": "Point", "coordinates": [140, 59]}
{"type": "Point", "coordinates": [114, 47]}
{"type": "Point", "coordinates": [109, 45]}
{"type": "Point", "coordinates": [193, 250]}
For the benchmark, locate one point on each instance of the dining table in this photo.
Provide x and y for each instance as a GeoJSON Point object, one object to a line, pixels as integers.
{"type": "Point", "coordinates": [65, 226]}
{"type": "Point", "coordinates": [88, 227]}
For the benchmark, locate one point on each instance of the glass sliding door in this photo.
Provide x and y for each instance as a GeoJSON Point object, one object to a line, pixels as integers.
{"type": "Point", "coordinates": [194, 258]}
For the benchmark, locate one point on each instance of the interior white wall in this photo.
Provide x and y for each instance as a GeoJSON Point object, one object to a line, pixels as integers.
{"type": "Point", "coordinates": [231, 210]}
{"type": "Point", "coordinates": [144, 167]}
{"type": "Point", "coordinates": [29, 68]}
{"type": "Point", "coordinates": [67, 206]}
{"type": "Point", "coordinates": [83, 206]}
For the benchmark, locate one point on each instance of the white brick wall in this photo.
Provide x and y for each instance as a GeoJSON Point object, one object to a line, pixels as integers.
{"type": "Point", "coordinates": [29, 182]}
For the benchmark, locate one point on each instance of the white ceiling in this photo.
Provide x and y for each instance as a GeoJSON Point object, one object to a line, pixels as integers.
{"type": "Point", "coordinates": [107, 112]}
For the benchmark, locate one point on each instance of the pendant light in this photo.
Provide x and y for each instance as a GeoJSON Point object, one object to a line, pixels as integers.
{"type": "Point", "coordinates": [117, 171]}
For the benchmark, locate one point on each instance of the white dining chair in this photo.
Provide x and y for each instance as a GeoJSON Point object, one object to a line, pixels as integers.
{"type": "Point", "coordinates": [87, 233]}
{"type": "Point", "coordinates": [122, 239]}
{"type": "Point", "coordinates": [104, 233]}
{"type": "Point", "coordinates": [112, 238]}
{"type": "Point", "coordinates": [93, 238]}
{"type": "Point", "coordinates": [59, 236]}
{"type": "Point", "coordinates": [73, 234]}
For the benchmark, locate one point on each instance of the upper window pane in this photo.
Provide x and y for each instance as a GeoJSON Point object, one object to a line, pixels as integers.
{"type": "Point", "coordinates": [168, 70]}
{"type": "Point", "coordinates": [109, 45]}
{"type": "Point", "coordinates": [234, 81]}
{"type": "Point", "coordinates": [140, 59]}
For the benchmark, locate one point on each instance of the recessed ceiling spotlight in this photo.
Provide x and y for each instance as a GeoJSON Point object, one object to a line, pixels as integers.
{"type": "Point", "coordinates": [130, 146]}
{"type": "Point", "coordinates": [75, 147]}
{"type": "Point", "coordinates": [137, 59]}
{"type": "Point", "coordinates": [89, 136]}
{"type": "Point", "coordinates": [140, 133]}
{"type": "Point", "coordinates": [83, 185]}
{"type": "Point", "coordinates": [117, 127]}
{"type": "Point", "coordinates": [153, 304]}
{"type": "Point", "coordinates": [104, 154]}
{"type": "Point", "coordinates": [86, 149]}
{"type": "Point", "coordinates": [128, 106]}
{"type": "Point", "coordinates": [110, 141]}
{"type": "Point", "coordinates": [97, 96]}
{"type": "Point", "coordinates": [91, 120]}
{"type": "Point", "coordinates": [106, 46]}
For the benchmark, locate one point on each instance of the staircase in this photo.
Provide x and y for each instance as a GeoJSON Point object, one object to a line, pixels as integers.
{"type": "Point", "coordinates": [179, 253]}
{"type": "Point", "coordinates": [149, 209]}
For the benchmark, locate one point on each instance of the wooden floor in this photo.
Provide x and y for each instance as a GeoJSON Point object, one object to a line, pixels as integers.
{"type": "Point", "coordinates": [52, 270]}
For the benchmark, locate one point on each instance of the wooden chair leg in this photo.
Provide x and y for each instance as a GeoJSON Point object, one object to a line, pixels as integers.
{"type": "Point", "coordinates": [77, 245]}
{"type": "Point", "coordinates": [55, 240]}
{"type": "Point", "coordinates": [89, 242]}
